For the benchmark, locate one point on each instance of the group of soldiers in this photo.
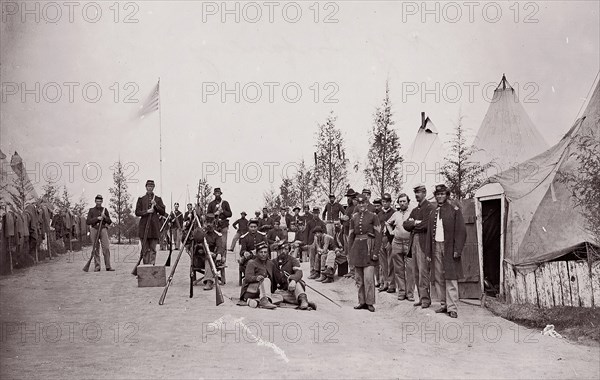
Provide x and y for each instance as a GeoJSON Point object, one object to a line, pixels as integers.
{"type": "Point", "coordinates": [384, 248]}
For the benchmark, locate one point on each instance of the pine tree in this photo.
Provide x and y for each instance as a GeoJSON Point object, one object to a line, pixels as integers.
{"type": "Point", "coordinates": [383, 161]}
{"type": "Point", "coordinates": [330, 174]}
{"type": "Point", "coordinates": [119, 201]}
{"type": "Point", "coordinates": [203, 195]}
{"type": "Point", "coordinates": [462, 175]}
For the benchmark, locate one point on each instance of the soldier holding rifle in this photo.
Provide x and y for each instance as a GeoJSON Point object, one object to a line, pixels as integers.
{"type": "Point", "coordinates": [98, 217]}
{"type": "Point", "coordinates": [148, 208]}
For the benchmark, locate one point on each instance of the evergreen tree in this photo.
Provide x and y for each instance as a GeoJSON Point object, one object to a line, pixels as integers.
{"type": "Point", "coordinates": [330, 174]}
{"type": "Point", "coordinates": [119, 201]}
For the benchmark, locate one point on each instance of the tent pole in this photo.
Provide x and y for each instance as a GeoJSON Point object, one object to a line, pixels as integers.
{"type": "Point", "coordinates": [478, 225]}
{"type": "Point", "coordinates": [502, 236]}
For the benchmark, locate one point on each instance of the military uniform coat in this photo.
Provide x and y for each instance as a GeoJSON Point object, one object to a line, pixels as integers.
{"type": "Point", "coordinates": [249, 240]}
{"type": "Point", "coordinates": [361, 249]}
{"type": "Point", "coordinates": [421, 212]}
{"type": "Point", "coordinates": [455, 235]}
{"type": "Point", "coordinates": [141, 210]}
{"type": "Point", "coordinates": [225, 213]}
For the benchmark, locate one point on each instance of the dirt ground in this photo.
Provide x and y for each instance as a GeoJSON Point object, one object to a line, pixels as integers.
{"type": "Point", "coordinates": [58, 322]}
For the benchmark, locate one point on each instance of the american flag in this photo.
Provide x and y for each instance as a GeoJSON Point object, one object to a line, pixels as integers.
{"type": "Point", "coordinates": [152, 102]}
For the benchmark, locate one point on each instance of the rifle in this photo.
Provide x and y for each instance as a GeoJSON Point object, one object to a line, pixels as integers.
{"type": "Point", "coordinates": [168, 262]}
{"type": "Point", "coordinates": [218, 292]}
{"type": "Point", "coordinates": [95, 244]}
{"type": "Point", "coordinates": [170, 279]}
{"type": "Point", "coordinates": [134, 271]}
{"type": "Point", "coordinates": [315, 290]}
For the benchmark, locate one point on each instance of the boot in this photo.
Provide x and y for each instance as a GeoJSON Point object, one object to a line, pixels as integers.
{"type": "Point", "coordinates": [266, 304]}
{"type": "Point", "coordinates": [312, 305]}
{"type": "Point", "coordinates": [322, 278]}
{"type": "Point", "coordinates": [313, 276]}
{"type": "Point", "coordinates": [327, 280]}
{"type": "Point", "coordinates": [208, 285]}
{"type": "Point", "coordinates": [303, 301]}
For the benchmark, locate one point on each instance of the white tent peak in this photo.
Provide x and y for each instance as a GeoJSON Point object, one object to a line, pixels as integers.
{"type": "Point", "coordinates": [507, 136]}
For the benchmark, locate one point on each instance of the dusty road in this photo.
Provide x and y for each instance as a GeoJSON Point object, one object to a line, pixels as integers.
{"type": "Point", "coordinates": [59, 322]}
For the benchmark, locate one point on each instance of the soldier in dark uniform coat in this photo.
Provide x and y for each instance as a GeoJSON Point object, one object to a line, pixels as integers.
{"type": "Point", "coordinates": [148, 208]}
{"type": "Point", "coordinates": [176, 225]}
{"type": "Point", "coordinates": [416, 224]}
{"type": "Point", "coordinates": [258, 279]}
{"type": "Point", "coordinates": [248, 242]}
{"type": "Point", "coordinates": [365, 242]}
{"type": "Point", "coordinates": [95, 216]}
{"type": "Point", "coordinates": [220, 208]}
{"type": "Point", "coordinates": [351, 196]}
{"type": "Point", "coordinates": [446, 236]}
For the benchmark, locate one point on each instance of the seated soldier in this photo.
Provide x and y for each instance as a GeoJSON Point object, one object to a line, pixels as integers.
{"type": "Point", "coordinates": [248, 242]}
{"type": "Point", "coordinates": [258, 277]}
{"type": "Point", "coordinates": [327, 251]}
{"type": "Point", "coordinates": [299, 246]}
{"type": "Point", "coordinates": [276, 234]}
{"type": "Point", "coordinates": [215, 245]}
{"type": "Point", "coordinates": [287, 278]}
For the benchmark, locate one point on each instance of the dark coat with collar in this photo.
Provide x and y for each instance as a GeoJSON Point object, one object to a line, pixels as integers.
{"type": "Point", "coordinates": [455, 235]}
{"type": "Point", "coordinates": [421, 212]}
{"type": "Point", "coordinates": [141, 210]}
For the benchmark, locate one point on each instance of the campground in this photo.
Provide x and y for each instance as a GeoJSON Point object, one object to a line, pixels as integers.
{"type": "Point", "coordinates": [59, 322]}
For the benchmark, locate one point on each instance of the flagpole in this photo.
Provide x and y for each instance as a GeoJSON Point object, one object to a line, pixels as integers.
{"type": "Point", "coordinates": [160, 135]}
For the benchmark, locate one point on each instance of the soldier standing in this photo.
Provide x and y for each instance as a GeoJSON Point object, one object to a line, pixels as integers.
{"type": "Point", "coordinates": [94, 218]}
{"type": "Point", "coordinates": [365, 242]}
{"type": "Point", "coordinates": [176, 220]}
{"type": "Point", "coordinates": [148, 207]}
{"type": "Point", "coordinates": [220, 208]}
{"type": "Point", "coordinates": [416, 224]}
{"type": "Point", "coordinates": [446, 236]}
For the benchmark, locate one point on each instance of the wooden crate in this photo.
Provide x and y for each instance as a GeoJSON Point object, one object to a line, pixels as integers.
{"type": "Point", "coordinates": [151, 276]}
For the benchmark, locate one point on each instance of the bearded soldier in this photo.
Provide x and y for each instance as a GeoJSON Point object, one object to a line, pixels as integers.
{"type": "Point", "coordinates": [148, 208]}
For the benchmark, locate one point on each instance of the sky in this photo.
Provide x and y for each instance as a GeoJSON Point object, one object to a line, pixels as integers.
{"type": "Point", "coordinates": [244, 85]}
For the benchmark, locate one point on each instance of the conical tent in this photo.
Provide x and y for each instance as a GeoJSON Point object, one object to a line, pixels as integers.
{"type": "Point", "coordinates": [542, 222]}
{"type": "Point", "coordinates": [507, 135]}
{"type": "Point", "coordinates": [424, 159]}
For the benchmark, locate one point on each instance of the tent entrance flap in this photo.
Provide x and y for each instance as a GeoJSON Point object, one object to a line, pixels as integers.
{"type": "Point", "coordinates": [491, 232]}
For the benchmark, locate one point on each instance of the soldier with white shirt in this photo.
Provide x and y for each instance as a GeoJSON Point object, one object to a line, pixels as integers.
{"type": "Point", "coordinates": [403, 266]}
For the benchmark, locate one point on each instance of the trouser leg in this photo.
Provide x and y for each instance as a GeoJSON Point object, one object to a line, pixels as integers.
{"type": "Point", "coordinates": [384, 266]}
{"type": "Point", "coordinates": [208, 274]}
{"type": "Point", "coordinates": [390, 264]}
{"type": "Point", "coordinates": [421, 266]}
{"type": "Point", "coordinates": [105, 247]}
{"type": "Point", "coordinates": [265, 287]}
{"type": "Point", "coordinates": [96, 248]}
{"type": "Point", "coordinates": [369, 284]}
{"type": "Point", "coordinates": [330, 227]}
{"type": "Point", "coordinates": [438, 272]}
{"type": "Point", "coordinates": [452, 295]}
{"type": "Point", "coordinates": [315, 263]}
{"type": "Point", "coordinates": [398, 267]}
{"type": "Point", "coordinates": [360, 284]}
{"type": "Point", "coordinates": [149, 256]}
{"type": "Point", "coordinates": [236, 237]}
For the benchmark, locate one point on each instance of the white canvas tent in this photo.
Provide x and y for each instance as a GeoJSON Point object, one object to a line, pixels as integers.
{"type": "Point", "coordinates": [507, 135]}
{"type": "Point", "coordinates": [537, 219]}
{"type": "Point", "coordinates": [424, 159]}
